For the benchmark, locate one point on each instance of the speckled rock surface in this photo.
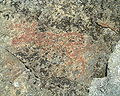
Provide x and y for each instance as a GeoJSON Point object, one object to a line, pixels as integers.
{"type": "Point", "coordinates": [110, 85]}
{"type": "Point", "coordinates": [56, 47]}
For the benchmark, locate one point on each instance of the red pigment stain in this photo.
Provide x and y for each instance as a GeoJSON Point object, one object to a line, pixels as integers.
{"type": "Point", "coordinates": [73, 43]}
{"type": "Point", "coordinates": [25, 26]}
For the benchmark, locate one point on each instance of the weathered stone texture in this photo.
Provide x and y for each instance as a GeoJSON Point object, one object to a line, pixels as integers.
{"type": "Point", "coordinates": [57, 47]}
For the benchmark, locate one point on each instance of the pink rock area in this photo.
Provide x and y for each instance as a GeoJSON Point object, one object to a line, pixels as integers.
{"type": "Point", "coordinates": [74, 45]}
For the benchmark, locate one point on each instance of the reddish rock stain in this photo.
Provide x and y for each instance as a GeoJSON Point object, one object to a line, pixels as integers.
{"type": "Point", "coordinates": [73, 43]}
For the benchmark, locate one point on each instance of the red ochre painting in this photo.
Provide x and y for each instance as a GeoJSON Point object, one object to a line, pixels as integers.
{"type": "Point", "coordinates": [74, 45]}
{"type": "Point", "coordinates": [59, 47]}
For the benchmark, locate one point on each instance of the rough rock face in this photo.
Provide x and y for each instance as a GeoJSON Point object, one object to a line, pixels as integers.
{"type": "Point", "coordinates": [110, 85]}
{"type": "Point", "coordinates": [57, 47]}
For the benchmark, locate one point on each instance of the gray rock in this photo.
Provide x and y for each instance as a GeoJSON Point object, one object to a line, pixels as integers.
{"type": "Point", "coordinates": [110, 85]}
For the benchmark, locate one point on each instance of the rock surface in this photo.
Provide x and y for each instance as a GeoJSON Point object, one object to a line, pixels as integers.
{"type": "Point", "coordinates": [110, 85]}
{"type": "Point", "coordinates": [58, 47]}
